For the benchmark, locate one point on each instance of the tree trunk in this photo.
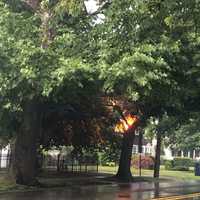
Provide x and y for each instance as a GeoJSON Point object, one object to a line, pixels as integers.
{"type": "Point", "coordinates": [0, 155]}
{"type": "Point", "coordinates": [124, 172]}
{"type": "Point", "coordinates": [48, 32]}
{"type": "Point", "coordinates": [157, 156]}
{"type": "Point", "coordinates": [24, 155]}
{"type": "Point", "coordinates": [140, 150]}
{"type": "Point", "coordinates": [58, 162]}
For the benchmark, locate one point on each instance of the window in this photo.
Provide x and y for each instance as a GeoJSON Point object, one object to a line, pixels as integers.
{"type": "Point", "coordinates": [143, 149]}
{"type": "Point", "coordinates": [148, 150]}
{"type": "Point", "coordinates": [135, 149]}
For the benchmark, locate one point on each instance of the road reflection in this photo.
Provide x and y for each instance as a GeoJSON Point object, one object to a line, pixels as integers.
{"type": "Point", "coordinates": [124, 192]}
{"type": "Point", "coordinates": [156, 189]}
{"type": "Point", "coordinates": [135, 191]}
{"type": "Point", "coordinates": [114, 191]}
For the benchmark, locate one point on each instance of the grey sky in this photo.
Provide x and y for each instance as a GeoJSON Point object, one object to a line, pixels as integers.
{"type": "Point", "coordinates": [91, 5]}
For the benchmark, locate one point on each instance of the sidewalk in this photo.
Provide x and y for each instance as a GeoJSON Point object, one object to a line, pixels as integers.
{"type": "Point", "coordinates": [92, 186]}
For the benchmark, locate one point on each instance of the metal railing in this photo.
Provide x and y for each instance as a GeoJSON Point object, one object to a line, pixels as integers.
{"type": "Point", "coordinates": [83, 164]}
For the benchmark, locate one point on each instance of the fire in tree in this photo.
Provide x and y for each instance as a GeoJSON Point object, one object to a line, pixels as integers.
{"type": "Point", "coordinates": [128, 122]}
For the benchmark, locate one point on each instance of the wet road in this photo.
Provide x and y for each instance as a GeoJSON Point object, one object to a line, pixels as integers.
{"type": "Point", "coordinates": [110, 191]}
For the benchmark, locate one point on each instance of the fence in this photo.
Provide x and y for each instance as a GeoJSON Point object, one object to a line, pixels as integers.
{"type": "Point", "coordinates": [82, 164]}
{"type": "Point", "coordinates": [59, 163]}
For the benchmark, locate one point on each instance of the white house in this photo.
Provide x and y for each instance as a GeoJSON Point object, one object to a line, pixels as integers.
{"type": "Point", "coordinates": [4, 156]}
{"type": "Point", "coordinates": [149, 148]}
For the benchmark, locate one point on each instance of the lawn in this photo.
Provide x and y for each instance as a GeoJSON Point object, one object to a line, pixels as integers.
{"type": "Point", "coordinates": [181, 175]}
{"type": "Point", "coordinates": [64, 179]}
{"type": "Point", "coordinates": [5, 182]}
{"type": "Point", "coordinates": [8, 185]}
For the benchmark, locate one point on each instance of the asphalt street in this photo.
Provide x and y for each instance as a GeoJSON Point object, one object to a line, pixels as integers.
{"type": "Point", "coordinates": [114, 191]}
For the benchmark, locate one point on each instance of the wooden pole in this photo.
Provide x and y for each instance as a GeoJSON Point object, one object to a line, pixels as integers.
{"type": "Point", "coordinates": [140, 151]}
{"type": "Point", "coordinates": [0, 157]}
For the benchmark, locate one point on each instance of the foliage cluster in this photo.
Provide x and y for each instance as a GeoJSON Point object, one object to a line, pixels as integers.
{"type": "Point", "coordinates": [179, 164]}
{"type": "Point", "coordinates": [147, 162]}
{"type": "Point", "coordinates": [58, 55]}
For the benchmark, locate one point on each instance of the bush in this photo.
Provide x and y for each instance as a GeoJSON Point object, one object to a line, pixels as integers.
{"type": "Point", "coordinates": [186, 162]}
{"type": "Point", "coordinates": [179, 164]}
{"type": "Point", "coordinates": [162, 160]}
{"type": "Point", "coordinates": [169, 164]}
{"type": "Point", "coordinates": [179, 168]}
{"type": "Point", "coordinates": [108, 159]}
{"type": "Point", "coordinates": [147, 162]}
{"type": "Point", "coordinates": [110, 164]}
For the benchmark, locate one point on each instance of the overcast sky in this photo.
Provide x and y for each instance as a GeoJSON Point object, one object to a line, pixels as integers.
{"type": "Point", "coordinates": [91, 5]}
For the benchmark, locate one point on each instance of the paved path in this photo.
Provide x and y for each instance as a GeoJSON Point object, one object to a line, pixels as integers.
{"type": "Point", "coordinates": [112, 191]}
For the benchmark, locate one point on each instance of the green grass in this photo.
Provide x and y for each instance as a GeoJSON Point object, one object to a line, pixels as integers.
{"type": "Point", "coordinates": [181, 175]}
{"type": "Point", "coordinates": [6, 183]}
{"type": "Point", "coordinates": [64, 180]}
{"type": "Point", "coordinates": [9, 185]}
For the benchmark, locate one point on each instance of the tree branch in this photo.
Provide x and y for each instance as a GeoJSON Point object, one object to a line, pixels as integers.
{"type": "Point", "coordinates": [33, 4]}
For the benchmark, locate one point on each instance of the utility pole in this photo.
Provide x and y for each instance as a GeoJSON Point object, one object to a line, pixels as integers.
{"type": "Point", "coordinates": [140, 150]}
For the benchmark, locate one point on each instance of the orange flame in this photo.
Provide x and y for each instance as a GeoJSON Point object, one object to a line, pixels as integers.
{"type": "Point", "coordinates": [124, 125]}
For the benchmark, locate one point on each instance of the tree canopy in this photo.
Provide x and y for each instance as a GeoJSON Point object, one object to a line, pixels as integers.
{"type": "Point", "coordinates": [62, 59]}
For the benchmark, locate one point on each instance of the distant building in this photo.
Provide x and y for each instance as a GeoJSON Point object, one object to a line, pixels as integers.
{"type": "Point", "coordinates": [149, 148]}
{"type": "Point", "coordinates": [5, 157]}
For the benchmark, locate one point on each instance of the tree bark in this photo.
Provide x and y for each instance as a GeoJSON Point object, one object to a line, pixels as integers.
{"type": "Point", "coordinates": [157, 156]}
{"type": "Point", "coordinates": [140, 150]}
{"type": "Point", "coordinates": [124, 172]}
{"type": "Point", "coordinates": [0, 156]}
{"type": "Point", "coordinates": [25, 148]}
{"type": "Point", "coordinates": [47, 31]}
{"type": "Point", "coordinates": [58, 162]}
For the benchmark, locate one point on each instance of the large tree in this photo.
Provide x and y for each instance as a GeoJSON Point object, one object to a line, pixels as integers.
{"type": "Point", "coordinates": [58, 53]}
{"type": "Point", "coordinates": [148, 53]}
{"type": "Point", "coordinates": [134, 66]}
{"type": "Point", "coordinates": [46, 60]}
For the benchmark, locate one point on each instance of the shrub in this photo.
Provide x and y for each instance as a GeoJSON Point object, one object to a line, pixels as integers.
{"type": "Point", "coordinates": [179, 164]}
{"type": "Point", "coordinates": [163, 160]}
{"type": "Point", "coordinates": [169, 164]}
{"type": "Point", "coordinates": [110, 164]}
{"type": "Point", "coordinates": [147, 162]}
{"type": "Point", "coordinates": [183, 162]}
{"type": "Point", "coordinates": [105, 159]}
{"type": "Point", "coordinates": [179, 168]}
